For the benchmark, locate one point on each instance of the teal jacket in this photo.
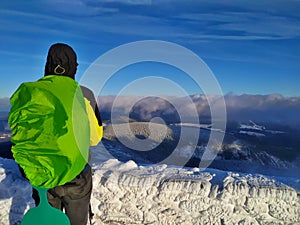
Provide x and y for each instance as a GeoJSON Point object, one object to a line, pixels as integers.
{"type": "Point", "coordinates": [50, 130]}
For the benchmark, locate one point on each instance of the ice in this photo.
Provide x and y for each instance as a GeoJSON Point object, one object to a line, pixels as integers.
{"type": "Point", "coordinates": [161, 194]}
{"type": "Point", "coordinates": [127, 193]}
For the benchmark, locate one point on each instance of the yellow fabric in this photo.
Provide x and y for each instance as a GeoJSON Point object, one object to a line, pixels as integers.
{"type": "Point", "coordinates": [96, 131]}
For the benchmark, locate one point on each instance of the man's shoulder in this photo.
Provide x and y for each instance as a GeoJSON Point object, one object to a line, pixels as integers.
{"type": "Point", "coordinates": [87, 93]}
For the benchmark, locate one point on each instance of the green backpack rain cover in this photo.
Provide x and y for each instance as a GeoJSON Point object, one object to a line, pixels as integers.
{"type": "Point", "coordinates": [50, 130]}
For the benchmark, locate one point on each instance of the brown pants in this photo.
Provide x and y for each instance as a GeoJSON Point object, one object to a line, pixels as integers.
{"type": "Point", "coordinates": [74, 197]}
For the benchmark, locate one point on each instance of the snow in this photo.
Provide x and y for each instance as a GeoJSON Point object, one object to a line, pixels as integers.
{"type": "Point", "coordinates": [251, 133]}
{"type": "Point", "coordinates": [15, 193]}
{"type": "Point", "coordinates": [127, 193]}
{"type": "Point", "coordinates": [252, 126]}
{"type": "Point", "coordinates": [275, 132]}
{"type": "Point", "coordinates": [256, 130]}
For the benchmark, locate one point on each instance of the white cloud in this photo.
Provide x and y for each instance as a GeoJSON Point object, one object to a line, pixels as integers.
{"type": "Point", "coordinates": [243, 25]}
{"type": "Point", "coordinates": [157, 19]}
{"type": "Point", "coordinates": [265, 108]}
{"type": "Point", "coordinates": [129, 2]}
{"type": "Point", "coordinates": [4, 104]}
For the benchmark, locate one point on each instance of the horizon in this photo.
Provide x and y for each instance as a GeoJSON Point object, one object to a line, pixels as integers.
{"type": "Point", "coordinates": [250, 47]}
{"type": "Point", "coordinates": [281, 96]}
{"type": "Point", "coordinates": [275, 108]}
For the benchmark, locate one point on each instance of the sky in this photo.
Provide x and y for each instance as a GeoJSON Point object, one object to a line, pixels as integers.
{"type": "Point", "coordinates": [251, 47]}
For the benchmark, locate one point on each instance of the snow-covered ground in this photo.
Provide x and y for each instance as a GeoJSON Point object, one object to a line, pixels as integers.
{"type": "Point", "coordinates": [127, 193]}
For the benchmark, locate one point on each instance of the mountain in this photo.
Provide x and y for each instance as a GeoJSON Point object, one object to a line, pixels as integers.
{"type": "Point", "coordinates": [268, 151]}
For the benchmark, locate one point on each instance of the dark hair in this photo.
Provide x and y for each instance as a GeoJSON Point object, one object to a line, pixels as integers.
{"type": "Point", "coordinates": [61, 60]}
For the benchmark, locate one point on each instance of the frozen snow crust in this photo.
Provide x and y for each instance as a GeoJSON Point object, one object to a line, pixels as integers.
{"type": "Point", "coordinates": [125, 193]}
{"type": "Point", "coordinates": [129, 194]}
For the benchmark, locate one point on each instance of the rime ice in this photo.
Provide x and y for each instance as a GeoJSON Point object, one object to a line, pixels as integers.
{"type": "Point", "coordinates": [126, 193]}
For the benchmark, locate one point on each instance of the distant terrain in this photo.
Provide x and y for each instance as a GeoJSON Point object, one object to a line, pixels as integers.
{"type": "Point", "coordinates": [262, 132]}
{"type": "Point", "coordinates": [254, 178]}
{"type": "Point", "coordinates": [245, 148]}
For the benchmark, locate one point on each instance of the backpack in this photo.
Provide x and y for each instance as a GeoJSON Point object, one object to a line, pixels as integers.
{"type": "Point", "coordinates": [50, 130]}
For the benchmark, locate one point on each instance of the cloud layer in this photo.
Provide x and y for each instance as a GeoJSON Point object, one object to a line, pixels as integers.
{"type": "Point", "coordinates": [260, 108]}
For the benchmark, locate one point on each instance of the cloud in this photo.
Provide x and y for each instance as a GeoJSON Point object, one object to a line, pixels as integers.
{"type": "Point", "coordinates": [199, 25]}
{"type": "Point", "coordinates": [4, 105]}
{"type": "Point", "coordinates": [236, 25]}
{"type": "Point", "coordinates": [82, 8]}
{"type": "Point", "coordinates": [260, 108]}
{"type": "Point", "coordinates": [273, 108]}
{"type": "Point", "coordinates": [128, 2]}
{"type": "Point", "coordinates": [21, 54]}
{"type": "Point", "coordinates": [22, 25]}
{"type": "Point", "coordinates": [262, 26]}
{"type": "Point", "coordinates": [195, 21]}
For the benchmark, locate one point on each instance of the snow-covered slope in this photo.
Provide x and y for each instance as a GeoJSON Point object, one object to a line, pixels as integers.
{"type": "Point", "coordinates": [125, 193]}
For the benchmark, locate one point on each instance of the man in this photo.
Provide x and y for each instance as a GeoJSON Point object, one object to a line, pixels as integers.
{"type": "Point", "coordinates": [53, 122]}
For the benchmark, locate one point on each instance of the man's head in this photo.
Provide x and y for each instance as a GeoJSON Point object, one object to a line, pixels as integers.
{"type": "Point", "coordinates": [61, 60]}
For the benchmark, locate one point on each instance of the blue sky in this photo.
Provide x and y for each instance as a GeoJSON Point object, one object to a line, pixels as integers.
{"type": "Point", "coordinates": [252, 47]}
